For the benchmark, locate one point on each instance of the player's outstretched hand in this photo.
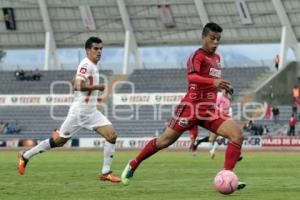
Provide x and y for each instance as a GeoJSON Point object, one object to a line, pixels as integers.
{"type": "Point", "coordinates": [230, 91]}
{"type": "Point", "coordinates": [100, 87]}
{"type": "Point", "coordinates": [223, 84]}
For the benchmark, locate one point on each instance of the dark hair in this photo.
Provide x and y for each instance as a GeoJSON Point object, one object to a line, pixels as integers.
{"type": "Point", "coordinates": [211, 26]}
{"type": "Point", "coordinates": [90, 41]}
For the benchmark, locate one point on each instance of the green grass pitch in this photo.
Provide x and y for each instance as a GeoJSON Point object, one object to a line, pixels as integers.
{"type": "Point", "coordinates": [167, 175]}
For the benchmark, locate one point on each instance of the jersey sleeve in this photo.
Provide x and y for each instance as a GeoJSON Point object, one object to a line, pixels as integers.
{"type": "Point", "coordinates": [83, 71]}
{"type": "Point", "coordinates": [194, 63]}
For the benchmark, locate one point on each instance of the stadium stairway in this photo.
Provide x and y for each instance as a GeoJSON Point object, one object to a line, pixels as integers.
{"type": "Point", "coordinates": [258, 81]}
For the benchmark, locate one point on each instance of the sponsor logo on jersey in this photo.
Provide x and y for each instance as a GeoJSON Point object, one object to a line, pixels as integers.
{"type": "Point", "coordinates": [183, 122]}
{"type": "Point", "coordinates": [82, 70]}
{"type": "Point", "coordinates": [215, 72]}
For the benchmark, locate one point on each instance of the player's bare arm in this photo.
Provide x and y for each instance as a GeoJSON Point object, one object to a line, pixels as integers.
{"type": "Point", "coordinates": [223, 84]}
{"type": "Point", "coordinates": [79, 85]}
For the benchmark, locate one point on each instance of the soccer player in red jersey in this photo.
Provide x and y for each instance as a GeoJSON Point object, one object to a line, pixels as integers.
{"type": "Point", "coordinates": [198, 106]}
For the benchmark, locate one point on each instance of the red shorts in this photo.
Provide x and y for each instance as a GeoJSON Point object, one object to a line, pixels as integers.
{"type": "Point", "coordinates": [187, 115]}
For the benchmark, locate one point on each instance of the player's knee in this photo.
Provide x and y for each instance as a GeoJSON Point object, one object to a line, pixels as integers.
{"type": "Point", "coordinates": [237, 137]}
{"type": "Point", "coordinates": [112, 138]}
{"type": "Point", "coordinates": [58, 142]}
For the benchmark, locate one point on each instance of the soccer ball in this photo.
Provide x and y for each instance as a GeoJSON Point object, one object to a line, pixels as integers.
{"type": "Point", "coordinates": [226, 182]}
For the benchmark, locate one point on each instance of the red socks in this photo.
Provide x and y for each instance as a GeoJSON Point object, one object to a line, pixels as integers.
{"type": "Point", "coordinates": [146, 152]}
{"type": "Point", "coordinates": [232, 154]}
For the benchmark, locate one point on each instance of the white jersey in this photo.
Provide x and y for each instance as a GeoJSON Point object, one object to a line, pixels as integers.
{"type": "Point", "coordinates": [85, 102]}
{"type": "Point", "coordinates": [83, 112]}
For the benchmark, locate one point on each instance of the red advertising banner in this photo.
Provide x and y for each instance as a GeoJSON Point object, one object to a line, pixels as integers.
{"type": "Point", "coordinates": [281, 141]}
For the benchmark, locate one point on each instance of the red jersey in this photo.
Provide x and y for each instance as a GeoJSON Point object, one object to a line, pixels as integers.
{"type": "Point", "coordinates": [198, 107]}
{"type": "Point", "coordinates": [208, 66]}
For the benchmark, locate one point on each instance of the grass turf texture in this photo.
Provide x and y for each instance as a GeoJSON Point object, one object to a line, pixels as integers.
{"type": "Point", "coordinates": [168, 175]}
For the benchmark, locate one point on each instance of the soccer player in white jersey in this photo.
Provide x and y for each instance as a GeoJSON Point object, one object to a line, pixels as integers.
{"type": "Point", "coordinates": [83, 114]}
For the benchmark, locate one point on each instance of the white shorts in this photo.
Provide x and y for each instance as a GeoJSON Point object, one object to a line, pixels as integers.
{"type": "Point", "coordinates": [74, 123]}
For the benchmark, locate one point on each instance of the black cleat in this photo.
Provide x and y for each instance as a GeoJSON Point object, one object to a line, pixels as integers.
{"type": "Point", "coordinates": [241, 185]}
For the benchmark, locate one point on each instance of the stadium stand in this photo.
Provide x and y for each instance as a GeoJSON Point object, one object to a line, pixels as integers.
{"type": "Point", "coordinates": [279, 128]}
{"type": "Point", "coordinates": [174, 80]}
{"type": "Point", "coordinates": [36, 121]}
{"type": "Point", "coordinates": [9, 84]}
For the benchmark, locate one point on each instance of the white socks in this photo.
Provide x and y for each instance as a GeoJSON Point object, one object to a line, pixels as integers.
{"type": "Point", "coordinates": [215, 145]}
{"type": "Point", "coordinates": [108, 153]}
{"type": "Point", "coordinates": [40, 148]}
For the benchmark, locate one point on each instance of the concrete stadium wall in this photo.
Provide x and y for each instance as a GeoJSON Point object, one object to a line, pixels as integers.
{"type": "Point", "coordinates": [277, 90]}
